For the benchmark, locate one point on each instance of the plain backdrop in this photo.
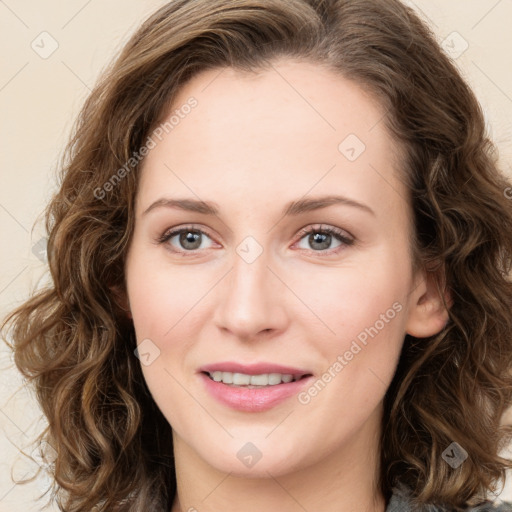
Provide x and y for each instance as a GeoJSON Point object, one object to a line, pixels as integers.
{"type": "Point", "coordinates": [53, 52]}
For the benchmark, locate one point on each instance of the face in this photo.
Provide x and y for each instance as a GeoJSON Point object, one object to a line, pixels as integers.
{"type": "Point", "coordinates": [278, 275]}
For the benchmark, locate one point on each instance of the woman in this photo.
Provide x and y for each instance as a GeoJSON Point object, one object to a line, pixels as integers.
{"type": "Point", "coordinates": [198, 350]}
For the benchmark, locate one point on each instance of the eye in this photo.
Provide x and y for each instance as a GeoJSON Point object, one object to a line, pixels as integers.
{"type": "Point", "coordinates": [188, 239]}
{"type": "Point", "coordinates": [320, 238]}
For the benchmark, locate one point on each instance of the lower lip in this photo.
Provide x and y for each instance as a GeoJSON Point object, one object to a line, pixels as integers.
{"type": "Point", "coordinates": [253, 399]}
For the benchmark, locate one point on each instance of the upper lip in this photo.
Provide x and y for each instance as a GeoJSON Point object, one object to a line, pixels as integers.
{"type": "Point", "coordinates": [253, 369]}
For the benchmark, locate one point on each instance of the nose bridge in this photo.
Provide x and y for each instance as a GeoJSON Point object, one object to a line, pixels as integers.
{"type": "Point", "coordinates": [252, 300]}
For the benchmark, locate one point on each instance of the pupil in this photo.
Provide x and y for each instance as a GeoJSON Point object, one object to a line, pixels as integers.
{"type": "Point", "coordinates": [189, 237]}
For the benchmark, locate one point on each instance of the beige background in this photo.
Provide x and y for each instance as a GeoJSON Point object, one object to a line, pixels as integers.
{"type": "Point", "coordinates": [40, 95]}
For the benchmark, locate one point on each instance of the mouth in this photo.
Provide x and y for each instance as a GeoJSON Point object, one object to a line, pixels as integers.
{"type": "Point", "coordinates": [253, 391]}
{"type": "Point", "coordinates": [251, 381]}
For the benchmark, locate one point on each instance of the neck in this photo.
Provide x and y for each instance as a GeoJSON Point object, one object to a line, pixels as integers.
{"type": "Point", "coordinates": [344, 479]}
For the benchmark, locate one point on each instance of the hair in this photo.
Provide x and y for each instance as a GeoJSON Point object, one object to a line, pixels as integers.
{"type": "Point", "coordinates": [75, 344]}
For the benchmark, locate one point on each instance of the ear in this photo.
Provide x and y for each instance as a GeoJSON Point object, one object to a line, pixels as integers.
{"type": "Point", "coordinates": [121, 299]}
{"type": "Point", "coordinates": [428, 312]}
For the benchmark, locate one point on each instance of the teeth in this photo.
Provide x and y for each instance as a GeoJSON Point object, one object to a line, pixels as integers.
{"type": "Point", "coordinates": [239, 379]}
{"type": "Point", "coordinates": [242, 379]}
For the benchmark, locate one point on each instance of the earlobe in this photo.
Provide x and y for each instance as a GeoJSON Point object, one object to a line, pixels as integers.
{"type": "Point", "coordinates": [428, 314]}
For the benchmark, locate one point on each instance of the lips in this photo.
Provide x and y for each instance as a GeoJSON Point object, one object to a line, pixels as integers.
{"type": "Point", "coordinates": [254, 369]}
{"type": "Point", "coordinates": [252, 399]}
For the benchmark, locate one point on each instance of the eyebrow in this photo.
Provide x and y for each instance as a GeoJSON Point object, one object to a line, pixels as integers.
{"type": "Point", "coordinates": [293, 208]}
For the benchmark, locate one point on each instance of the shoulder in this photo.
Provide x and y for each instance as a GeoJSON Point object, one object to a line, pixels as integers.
{"type": "Point", "coordinates": [400, 502]}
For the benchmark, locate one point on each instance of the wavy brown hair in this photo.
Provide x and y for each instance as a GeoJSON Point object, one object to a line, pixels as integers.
{"type": "Point", "coordinates": [75, 345]}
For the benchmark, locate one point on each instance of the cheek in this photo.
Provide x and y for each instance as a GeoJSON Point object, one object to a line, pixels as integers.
{"type": "Point", "coordinates": [160, 294]}
{"type": "Point", "coordinates": [347, 300]}
{"type": "Point", "coordinates": [359, 322]}
{"type": "Point", "coordinates": [161, 301]}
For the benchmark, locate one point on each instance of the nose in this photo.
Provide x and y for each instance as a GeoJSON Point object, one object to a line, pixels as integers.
{"type": "Point", "coordinates": [251, 300]}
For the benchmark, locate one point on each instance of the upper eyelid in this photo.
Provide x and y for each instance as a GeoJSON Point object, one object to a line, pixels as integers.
{"type": "Point", "coordinates": [325, 227]}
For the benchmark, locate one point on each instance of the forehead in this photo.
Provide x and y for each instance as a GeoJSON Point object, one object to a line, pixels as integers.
{"type": "Point", "coordinates": [291, 98]}
{"type": "Point", "coordinates": [294, 127]}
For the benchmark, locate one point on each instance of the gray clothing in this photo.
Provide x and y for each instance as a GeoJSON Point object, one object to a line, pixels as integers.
{"type": "Point", "coordinates": [399, 502]}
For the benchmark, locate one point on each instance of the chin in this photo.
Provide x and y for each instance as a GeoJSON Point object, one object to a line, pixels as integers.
{"type": "Point", "coordinates": [246, 461]}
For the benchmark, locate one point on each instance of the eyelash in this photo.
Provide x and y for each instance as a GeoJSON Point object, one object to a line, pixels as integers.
{"type": "Point", "coordinates": [337, 233]}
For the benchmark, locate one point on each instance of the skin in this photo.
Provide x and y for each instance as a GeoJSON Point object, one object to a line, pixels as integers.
{"type": "Point", "coordinates": [253, 143]}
